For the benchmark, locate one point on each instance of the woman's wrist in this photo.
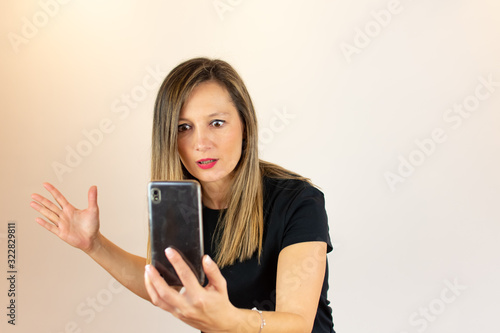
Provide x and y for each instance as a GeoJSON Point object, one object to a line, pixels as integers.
{"type": "Point", "coordinates": [262, 320]}
{"type": "Point", "coordinates": [245, 320]}
{"type": "Point", "coordinates": [95, 246]}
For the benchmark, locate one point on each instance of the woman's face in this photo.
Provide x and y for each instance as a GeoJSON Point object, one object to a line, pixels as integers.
{"type": "Point", "coordinates": [210, 134]}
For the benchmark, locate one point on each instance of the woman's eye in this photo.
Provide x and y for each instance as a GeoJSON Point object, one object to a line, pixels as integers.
{"type": "Point", "coordinates": [218, 123]}
{"type": "Point", "coordinates": [183, 128]}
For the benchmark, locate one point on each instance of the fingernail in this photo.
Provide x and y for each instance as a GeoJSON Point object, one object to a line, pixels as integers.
{"type": "Point", "coordinates": [208, 260]}
{"type": "Point", "coordinates": [169, 252]}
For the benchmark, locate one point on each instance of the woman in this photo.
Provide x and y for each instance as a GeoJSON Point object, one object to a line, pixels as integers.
{"type": "Point", "coordinates": [265, 227]}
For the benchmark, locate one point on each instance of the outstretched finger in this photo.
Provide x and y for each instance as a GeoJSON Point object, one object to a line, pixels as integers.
{"type": "Point", "coordinates": [214, 276]}
{"type": "Point", "coordinates": [92, 197]}
{"type": "Point", "coordinates": [161, 294]}
{"type": "Point", "coordinates": [52, 216]}
{"type": "Point", "coordinates": [183, 270]}
{"type": "Point", "coordinates": [45, 202]}
{"type": "Point", "coordinates": [49, 226]}
{"type": "Point", "coordinates": [61, 200]}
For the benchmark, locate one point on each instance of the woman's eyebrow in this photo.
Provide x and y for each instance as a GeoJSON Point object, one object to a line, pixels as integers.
{"type": "Point", "coordinates": [215, 114]}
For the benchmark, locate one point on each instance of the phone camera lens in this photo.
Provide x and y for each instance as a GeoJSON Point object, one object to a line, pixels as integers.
{"type": "Point", "coordinates": [156, 195]}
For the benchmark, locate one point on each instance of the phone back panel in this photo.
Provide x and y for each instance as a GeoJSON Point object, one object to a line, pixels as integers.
{"type": "Point", "coordinates": [175, 217]}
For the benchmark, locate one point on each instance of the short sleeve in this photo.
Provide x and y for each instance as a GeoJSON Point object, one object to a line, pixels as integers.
{"type": "Point", "coordinates": [306, 219]}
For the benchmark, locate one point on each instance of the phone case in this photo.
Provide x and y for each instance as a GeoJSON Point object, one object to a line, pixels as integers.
{"type": "Point", "coordinates": [175, 220]}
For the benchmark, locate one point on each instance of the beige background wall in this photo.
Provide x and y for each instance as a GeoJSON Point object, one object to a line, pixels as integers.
{"type": "Point", "coordinates": [392, 107]}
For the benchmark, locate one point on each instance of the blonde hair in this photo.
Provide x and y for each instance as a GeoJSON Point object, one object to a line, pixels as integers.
{"type": "Point", "coordinates": [240, 231]}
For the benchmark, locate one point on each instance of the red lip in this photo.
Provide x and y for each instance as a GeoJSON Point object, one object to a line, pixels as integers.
{"type": "Point", "coordinates": [206, 163]}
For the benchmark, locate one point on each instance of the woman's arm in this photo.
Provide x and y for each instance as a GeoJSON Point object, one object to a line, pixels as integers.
{"type": "Point", "coordinates": [80, 228]}
{"type": "Point", "coordinates": [125, 267]}
{"type": "Point", "coordinates": [301, 270]}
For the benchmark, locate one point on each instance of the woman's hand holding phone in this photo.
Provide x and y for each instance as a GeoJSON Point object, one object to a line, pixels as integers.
{"type": "Point", "coordinates": [78, 228]}
{"type": "Point", "coordinates": [205, 308]}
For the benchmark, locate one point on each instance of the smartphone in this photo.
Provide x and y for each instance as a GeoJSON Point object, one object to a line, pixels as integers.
{"type": "Point", "coordinates": [175, 220]}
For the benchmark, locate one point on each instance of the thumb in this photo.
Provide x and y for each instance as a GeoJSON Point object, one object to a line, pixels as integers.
{"type": "Point", "coordinates": [92, 197]}
{"type": "Point", "coordinates": [213, 274]}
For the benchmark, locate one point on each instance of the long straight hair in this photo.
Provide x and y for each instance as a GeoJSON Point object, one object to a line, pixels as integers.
{"type": "Point", "coordinates": [240, 231]}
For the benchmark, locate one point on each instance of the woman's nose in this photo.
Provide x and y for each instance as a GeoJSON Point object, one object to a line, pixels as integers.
{"type": "Point", "coordinates": [202, 140]}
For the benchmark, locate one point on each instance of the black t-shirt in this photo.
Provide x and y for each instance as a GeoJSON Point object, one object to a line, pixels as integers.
{"type": "Point", "coordinates": [294, 212]}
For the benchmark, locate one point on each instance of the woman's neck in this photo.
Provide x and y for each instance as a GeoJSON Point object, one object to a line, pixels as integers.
{"type": "Point", "coordinates": [214, 195]}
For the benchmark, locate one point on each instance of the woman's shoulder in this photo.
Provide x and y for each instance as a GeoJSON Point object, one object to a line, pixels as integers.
{"type": "Point", "coordinates": [295, 209]}
{"type": "Point", "coordinates": [289, 190]}
{"type": "Point", "coordinates": [285, 185]}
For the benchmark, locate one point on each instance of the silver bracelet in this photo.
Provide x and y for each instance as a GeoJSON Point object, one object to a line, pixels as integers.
{"type": "Point", "coordinates": [262, 320]}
